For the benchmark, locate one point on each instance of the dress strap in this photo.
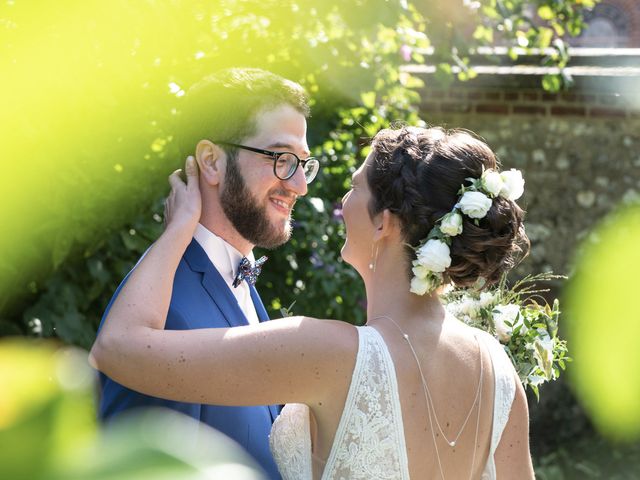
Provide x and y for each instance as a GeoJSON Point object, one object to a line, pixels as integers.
{"type": "Point", "coordinates": [504, 393]}
{"type": "Point", "coordinates": [369, 442]}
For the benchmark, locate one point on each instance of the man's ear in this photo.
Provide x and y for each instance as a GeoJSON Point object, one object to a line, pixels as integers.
{"type": "Point", "coordinates": [386, 224]}
{"type": "Point", "coordinates": [212, 162]}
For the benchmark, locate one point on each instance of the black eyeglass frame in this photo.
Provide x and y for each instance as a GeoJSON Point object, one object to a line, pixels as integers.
{"type": "Point", "coordinates": [275, 156]}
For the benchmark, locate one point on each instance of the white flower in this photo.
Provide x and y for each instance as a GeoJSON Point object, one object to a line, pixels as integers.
{"type": "Point", "coordinates": [503, 314]}
{"type": "Point", "coordinates": [536, 380]}
{"type": "Point", "coordinates": [451, 224]}
{"type": "Point", "coordinates": [469, 307]}
{"type": "Point", "coordinates": [435, 255]}
{"type": "Point", "coordinates": [543, 352]}
{"type": "Point", "coordinates": [419, 270]}
{"type": "Point", "coordinates": [420, 285]}
{"type": "Point", "coordinates": [454, 308]}
{"type": "Point", "coordinates": [474, 204]}
{"type": "Point", "coordinates": [513, 187]}
{"type": "Point", "coordinates": [492, 182]}
{"type": "Point", "coordinates": [486, 299]}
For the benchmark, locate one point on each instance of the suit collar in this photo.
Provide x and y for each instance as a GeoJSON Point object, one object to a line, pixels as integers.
{"type": "Point", "coordinates": [215, 285]}
{"type": "Point", "coordinates": [257, 303]}
{"type": "Point", "coordinates": [218, 289]}
{"type": "Point", "coordinates": [220, 293]}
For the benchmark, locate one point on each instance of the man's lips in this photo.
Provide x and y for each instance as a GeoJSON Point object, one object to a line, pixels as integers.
{"type": "Point", "coordinates": [282, 205]}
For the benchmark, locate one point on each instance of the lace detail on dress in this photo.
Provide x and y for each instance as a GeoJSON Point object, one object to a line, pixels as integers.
{"type": "Point", "coordinates": [290, 442]}
{"type": "Point", "coordinates": [369, 442]}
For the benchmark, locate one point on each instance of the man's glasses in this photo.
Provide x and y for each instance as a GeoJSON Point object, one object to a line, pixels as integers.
{"type": "Point", "coordinates": [285, 164]}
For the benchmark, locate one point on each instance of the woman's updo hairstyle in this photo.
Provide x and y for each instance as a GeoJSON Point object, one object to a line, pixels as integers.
{"type": "Point", "coordinates": [416, 174]}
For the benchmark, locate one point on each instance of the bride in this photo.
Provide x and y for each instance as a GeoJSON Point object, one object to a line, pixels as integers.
{"type": "Point", "coordinates": [413, 393]}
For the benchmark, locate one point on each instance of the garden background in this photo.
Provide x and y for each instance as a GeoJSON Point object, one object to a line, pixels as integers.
{"type": "Point", "coordinates": [90, 97]}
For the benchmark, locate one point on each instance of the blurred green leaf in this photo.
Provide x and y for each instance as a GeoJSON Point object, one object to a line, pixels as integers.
{"type": "Point", "coordinates": [604, 324]}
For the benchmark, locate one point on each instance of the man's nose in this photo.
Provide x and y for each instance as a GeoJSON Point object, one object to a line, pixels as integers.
{"type": "Point", "coordinates": [297, 183]}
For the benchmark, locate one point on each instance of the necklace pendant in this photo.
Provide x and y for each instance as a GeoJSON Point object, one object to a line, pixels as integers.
{"type": "Point", "coordinates": [452, 444]}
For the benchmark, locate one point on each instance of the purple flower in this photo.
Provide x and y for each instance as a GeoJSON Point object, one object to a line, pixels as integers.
{"type": "Point", "coordinates": [316, 261]}
{"type": "Point", "coordinates": [337, 212]}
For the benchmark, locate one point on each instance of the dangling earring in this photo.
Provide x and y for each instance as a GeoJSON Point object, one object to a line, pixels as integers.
{"type": "Point", "coordinates": [374, 257]}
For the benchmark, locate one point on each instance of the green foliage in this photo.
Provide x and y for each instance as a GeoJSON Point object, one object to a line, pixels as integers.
{"type": "Point", "coordinates": [604, 324]}
{"type": "Point", "coordinates": [590, 457]}
{"type": "Point", "coordinates": [521, 319]}
{"type": "Point", "coordinates": [48, 429]}
{"type": "Point", "coordinates": [347, 54]}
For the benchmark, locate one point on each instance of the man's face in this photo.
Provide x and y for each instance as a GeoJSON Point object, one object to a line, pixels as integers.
{"type": "Point", "coordinates": [257, 203]}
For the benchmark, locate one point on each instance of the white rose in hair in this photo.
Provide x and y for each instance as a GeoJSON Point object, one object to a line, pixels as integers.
{"type": "Point", "coordinates": [501, 315]}
{"type": "Point", "coordinates": [513, 187]}
{"type": "Point", "coordinates": [451, 224]}
{"type": "Point", "coordinates": [420, 285]}
{"type": "Point", "coordinates": [419, 270]}
{"type": "Point", "coordinates": [435, 255]}
{"type": "Point", "coordinates": [474, 204]}
{"type": "Point", "coordinates": [492, 182]}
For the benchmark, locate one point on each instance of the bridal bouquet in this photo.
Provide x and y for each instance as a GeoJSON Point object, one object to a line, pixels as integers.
{"type": "Point", "coordinates": [522, 321]}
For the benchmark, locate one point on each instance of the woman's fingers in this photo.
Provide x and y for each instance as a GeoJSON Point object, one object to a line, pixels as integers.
{"type": "Point", "coordinates": [191, 169]}
{"type": "Point", "coordinates": [183, 202]}
{"type": "Point", "coordinates": [175, 180]}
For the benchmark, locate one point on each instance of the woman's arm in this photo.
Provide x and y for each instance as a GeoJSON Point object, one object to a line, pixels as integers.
{"type": "Point", "coordinates": [289, 360]}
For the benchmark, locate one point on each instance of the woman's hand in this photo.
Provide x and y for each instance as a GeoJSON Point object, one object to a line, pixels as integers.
{"type": "Point", "coordinates": [183, 206]}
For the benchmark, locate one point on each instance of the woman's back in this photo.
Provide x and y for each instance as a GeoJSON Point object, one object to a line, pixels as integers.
{"type": "Point", "coordinates": [455, 363]}
{"type": "Point", "coordinates": [384, 430]}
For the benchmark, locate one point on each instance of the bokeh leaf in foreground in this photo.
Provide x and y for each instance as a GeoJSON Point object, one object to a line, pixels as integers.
{"type": "Point", "coordinates": [603, 317]}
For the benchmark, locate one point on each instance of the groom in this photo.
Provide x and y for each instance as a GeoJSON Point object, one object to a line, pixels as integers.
{"type": "Point", "coordinates": [247, 199]}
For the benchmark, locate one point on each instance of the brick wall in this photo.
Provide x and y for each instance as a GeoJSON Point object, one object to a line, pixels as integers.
{"type": "Point", "coordinates": [530, 102]}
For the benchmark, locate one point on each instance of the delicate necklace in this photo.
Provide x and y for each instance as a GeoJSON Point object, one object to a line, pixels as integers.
{"type": "Point", "coordinates": [431, 406]}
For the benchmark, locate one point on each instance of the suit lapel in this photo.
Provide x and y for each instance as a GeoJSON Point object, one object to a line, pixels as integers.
{"type": "Point", "coordinates": [215, 285]}
{"type": "Point", "coordinates": [220, 293]}
{"type": "Point", "coordinates": [257, 303]}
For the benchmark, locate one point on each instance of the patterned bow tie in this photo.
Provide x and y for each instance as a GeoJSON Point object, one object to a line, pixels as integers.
{"type": "Point", "coordinates": [248, 272]}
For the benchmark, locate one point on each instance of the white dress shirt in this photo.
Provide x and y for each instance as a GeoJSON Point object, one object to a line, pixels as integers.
{"type": "Point", "coordinates": [226, 260]}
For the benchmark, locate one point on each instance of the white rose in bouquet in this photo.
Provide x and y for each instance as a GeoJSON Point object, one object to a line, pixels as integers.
{"type": "Point", "coordinates": [435, 255]}
{"type": "Point", "coordinates": [486, 299]}
{"type": "Point", "coordinates": [492, 182]}
{"type": "Point", "coordinates": [469, 307]}
{"type": "Point", "coordinates": [543, 353]}
{"type": "Point", "coordinates": [474, 204]}
{"type": "Point", "coordinates": [503, 314]}
{"type": "Point", "coordinates": [451, 224]}
{"type": "Point", "coordinates": [513, 186]}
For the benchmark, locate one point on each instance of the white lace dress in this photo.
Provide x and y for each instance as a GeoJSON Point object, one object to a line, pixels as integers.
{"type": "Point", "coordinates": [369, 442]}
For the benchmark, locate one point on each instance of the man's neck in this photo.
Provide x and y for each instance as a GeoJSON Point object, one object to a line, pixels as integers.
{"type": "Point", "coordinates": [222, 227]}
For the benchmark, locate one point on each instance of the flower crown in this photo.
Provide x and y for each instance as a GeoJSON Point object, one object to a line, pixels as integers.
{"type": "Point", "coordinates": [433, 254]}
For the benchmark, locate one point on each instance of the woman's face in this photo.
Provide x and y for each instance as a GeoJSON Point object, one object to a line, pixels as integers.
{"type": "Point", "coordinates": [360, 228]}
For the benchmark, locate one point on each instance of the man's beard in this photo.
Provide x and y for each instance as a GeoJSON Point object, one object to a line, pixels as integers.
{"type": "Point", "coordinates": [246, 215]}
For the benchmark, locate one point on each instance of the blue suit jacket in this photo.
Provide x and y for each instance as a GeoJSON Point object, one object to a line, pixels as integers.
{"type": "Point", "coordinates": [202, 299]}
